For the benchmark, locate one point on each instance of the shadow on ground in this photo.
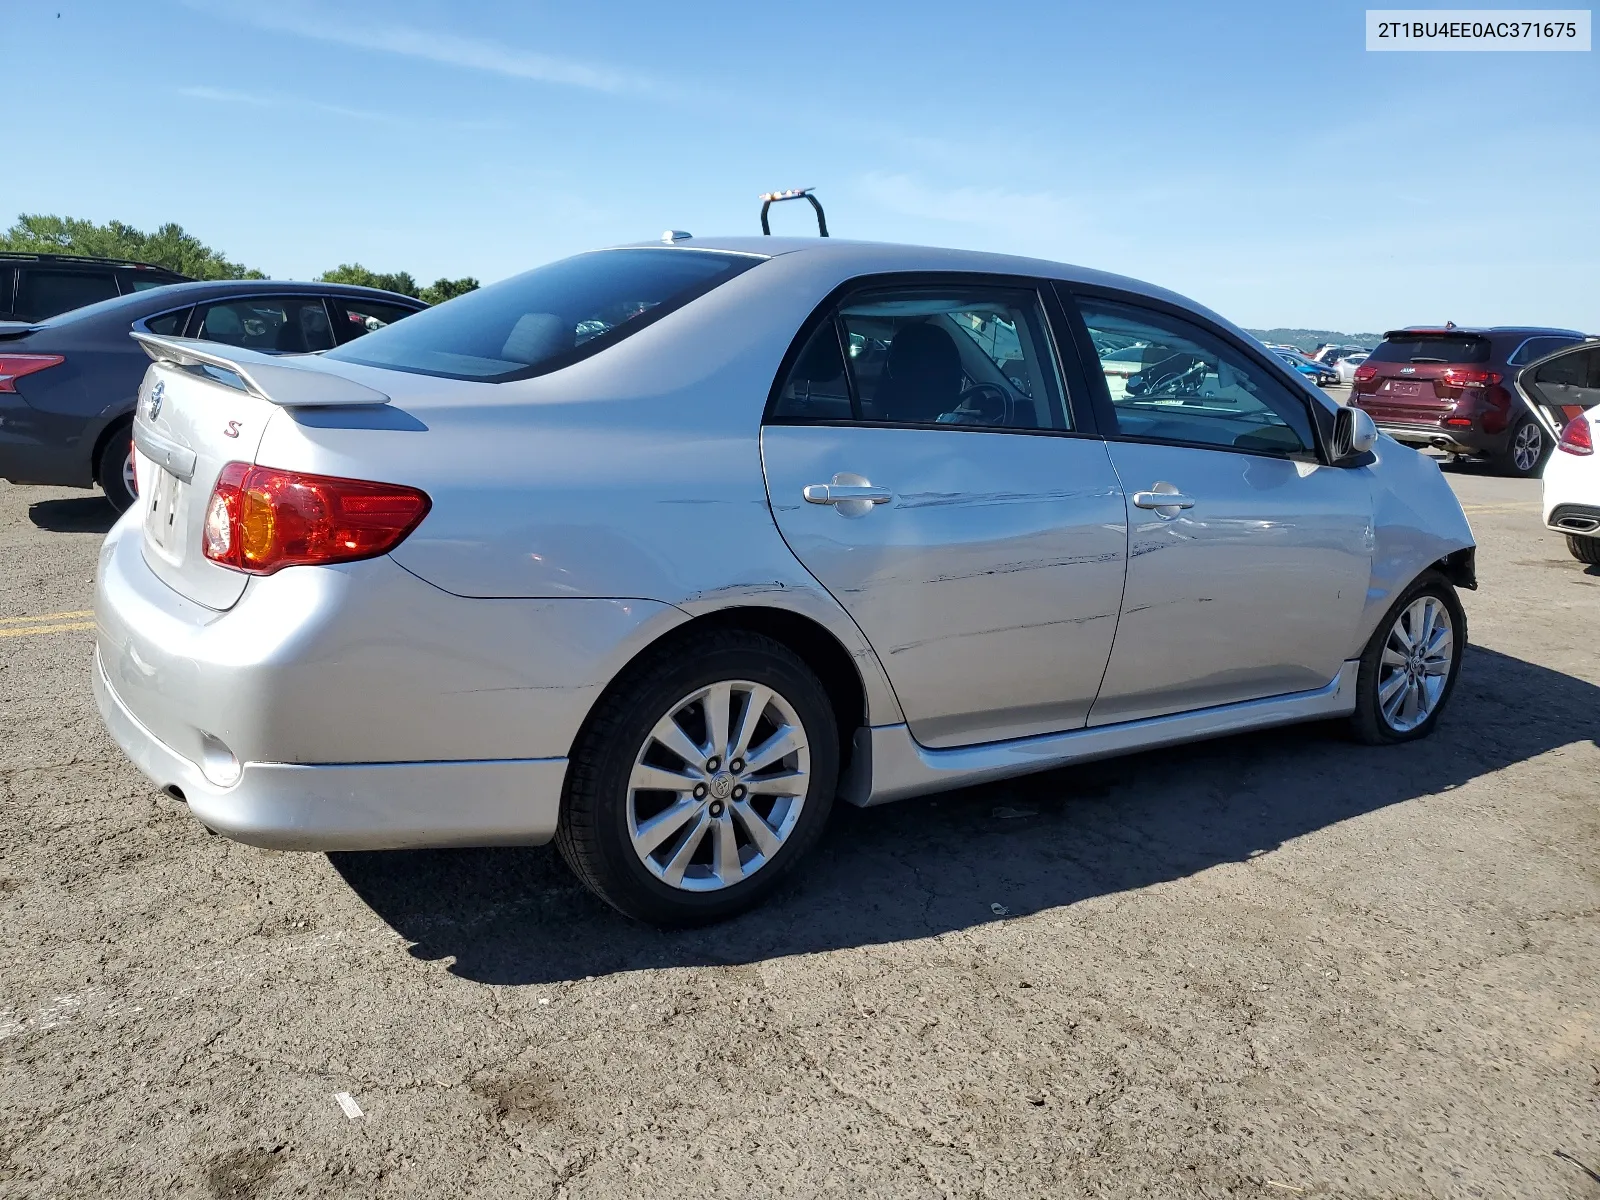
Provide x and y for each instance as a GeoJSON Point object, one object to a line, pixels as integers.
{"type": "Point", "coordinates": [80, 514]}
{"type": "Point", "coordinates": [922, 867]}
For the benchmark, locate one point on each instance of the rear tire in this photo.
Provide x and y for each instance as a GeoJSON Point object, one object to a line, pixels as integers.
{"type": "Point", "coordinates": [712, 841]}
{"type": "Point", "coordinates": [114, 471]}
{"type": "Point", "coordinates": [1398, 698]}
{"type": "Point", "coordinates": [1525, 451]}
{"type": "Point", "coordinates": [1584, 548]}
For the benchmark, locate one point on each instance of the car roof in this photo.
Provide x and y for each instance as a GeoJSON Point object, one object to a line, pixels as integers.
{"type": "Point", "coordinates": [151, 301]}
{"type": "Point", "coordinates": [1482, 331]}
{"type": "Point", "coordinates": [83, 260]}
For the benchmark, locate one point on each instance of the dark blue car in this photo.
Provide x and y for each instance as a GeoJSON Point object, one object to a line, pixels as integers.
{"type": "Point", "coordinates": [68, 383]}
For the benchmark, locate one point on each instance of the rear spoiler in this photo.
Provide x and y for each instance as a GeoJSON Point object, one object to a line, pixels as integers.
{"type": "Point", "coordinates": [262, 375]}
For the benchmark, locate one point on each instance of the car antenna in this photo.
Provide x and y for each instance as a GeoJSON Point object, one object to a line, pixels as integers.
{"type": "Point", "coordinates": [770, 198]}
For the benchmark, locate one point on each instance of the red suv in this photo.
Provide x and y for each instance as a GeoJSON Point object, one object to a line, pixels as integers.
{"type": "Point", "coordinates": [1451, 389]}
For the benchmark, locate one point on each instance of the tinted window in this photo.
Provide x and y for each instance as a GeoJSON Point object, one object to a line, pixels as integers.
{"type": "Point", "coordinates": [169, 324]}
{"type": "Point", "coordinates": [1536, 348]}
{"type": "Point", "coordinates": [44, 293]}
{"type": "Point", "coordinates": [1173, 381]}
{"type": "Point", "coordinates": [284, 324]}
{"type": "Point", "coordinates": [1432, 349]}
{"type": "Point", "coordinates": [970, 356]}
{"type": "Point", "coordinates": [1570, 384]}
{"type": "Point", "coordinates": [355, 318]}
{"type": "Point", "coordinates": [546, 318]}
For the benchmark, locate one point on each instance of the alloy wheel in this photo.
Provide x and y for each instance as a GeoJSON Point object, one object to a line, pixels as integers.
{"type": "Point", "coordinates": [130, 477]}
{"type": "Point", "coordinates": [1526, 447]}
{"type": "Point", "coordinates": [718, 786]}
{"type": "Point", "coordinates": [1415, 664]}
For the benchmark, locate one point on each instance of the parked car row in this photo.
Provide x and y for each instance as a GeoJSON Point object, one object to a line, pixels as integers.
{"type": "Point", "coordinates": [1452, 389]}
{"type": "Point", "coordinates": [68, 382]}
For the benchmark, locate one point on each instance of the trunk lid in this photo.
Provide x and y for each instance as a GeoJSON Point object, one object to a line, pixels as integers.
{"type": "Point", "coordinates": [1563, 386]}
{"type": "Point", "coordinates": [1410, 377]}
{"type": "Point", "coordinates": [202, 406]}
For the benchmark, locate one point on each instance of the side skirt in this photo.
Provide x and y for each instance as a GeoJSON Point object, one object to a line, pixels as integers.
{"type": "Point", "coordinates": [889, 765]}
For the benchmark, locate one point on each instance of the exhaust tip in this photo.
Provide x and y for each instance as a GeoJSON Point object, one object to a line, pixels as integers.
{"type": "Point", "coordinates": [176, 793]}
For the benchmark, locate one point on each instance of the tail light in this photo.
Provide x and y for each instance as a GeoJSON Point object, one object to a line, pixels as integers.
{"type": "Point", "coordinates": [1576, 437]}
{"type": "Point", "coordinates": [1469, 377]}
{"type": "Point", "coordinates": [1364, 373]}
{"type": "Point", "coordinates": [14, 366]}
{"type": "Point", "coordinates": [260, 519]}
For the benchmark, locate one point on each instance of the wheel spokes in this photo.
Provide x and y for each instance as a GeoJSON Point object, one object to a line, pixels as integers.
{"type": "Point", "coordinates": [755, 705]}
{"type": "Point", "coordinates": [766, 840]}
{"type": "Point", "coordinates": [671, 735]}
{"type": "Point", "coordinates": [718, 700]}
{"type": "Point", "coordinates": [664, 824]}
{"type": "Point", "coordinates": [679, 862]}
{"type": "Point", "coordinates": [725, 864]}
{"type": "Point", "coordinates": [785, 741]}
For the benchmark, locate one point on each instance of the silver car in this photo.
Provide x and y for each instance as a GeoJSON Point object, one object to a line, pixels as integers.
{"type": "Point", "coordinates": [658, 551]}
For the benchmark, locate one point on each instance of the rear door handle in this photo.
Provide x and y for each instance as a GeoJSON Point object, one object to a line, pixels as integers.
{"type": "Point", "coordinates": [835, 493]}
{"type": "Point", "coordinates": [1161, 500]}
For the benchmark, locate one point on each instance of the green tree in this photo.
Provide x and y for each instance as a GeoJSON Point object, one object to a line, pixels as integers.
{"type": "Point", "coordinates": [441, 290]}
{"type": "Point", "coordinates": [169, 246]}
{"type": "Point", "coordinates": [355, 273]}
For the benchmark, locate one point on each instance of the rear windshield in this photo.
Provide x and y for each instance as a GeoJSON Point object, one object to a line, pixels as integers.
{"type": "Point", "coordinates": [546, 318]}
{"type": "Point", "coordinates": [1434, 348]}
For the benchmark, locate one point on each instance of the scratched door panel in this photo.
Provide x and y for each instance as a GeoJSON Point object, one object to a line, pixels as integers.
{"type": "Point", "coordinates": [989, 583]}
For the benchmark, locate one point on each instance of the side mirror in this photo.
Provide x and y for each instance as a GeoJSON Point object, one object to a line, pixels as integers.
{"type": "Point", "coordinates": [1353, 434]}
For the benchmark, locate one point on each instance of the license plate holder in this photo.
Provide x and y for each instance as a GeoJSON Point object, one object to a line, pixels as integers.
{"type": "Point", "coordinates": [1407, 388]}
{"type": "Point", "coordinates": [161, 510]}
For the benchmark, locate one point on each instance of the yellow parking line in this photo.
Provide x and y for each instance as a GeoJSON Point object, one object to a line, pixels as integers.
{"type": "Point", "coordinates": [66, 616]}
{"type": "Point", "coordinates": [30, 630]}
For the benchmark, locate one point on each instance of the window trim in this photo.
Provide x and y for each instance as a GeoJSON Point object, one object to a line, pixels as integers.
{"type": "Point", "coordinates": [143, 323]}
{"type": "Point", "coordinates": [1080, 411]}
{"type": "Point", "coordinates": [1320, 416]}
{"type": "Point", "coordinates": [1566, 340]}
{"type": "Point", "coordinates": [331, 301]}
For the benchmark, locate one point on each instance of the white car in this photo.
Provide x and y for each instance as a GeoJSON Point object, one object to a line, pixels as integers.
{"type": "Point", "coordinates": [1564, 393]}
{"type": "Point", "coordinates": [1345, 368]}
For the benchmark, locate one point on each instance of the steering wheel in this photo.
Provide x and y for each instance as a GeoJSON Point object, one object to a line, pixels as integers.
{"type": "Point", "coordinates": [982, 404]}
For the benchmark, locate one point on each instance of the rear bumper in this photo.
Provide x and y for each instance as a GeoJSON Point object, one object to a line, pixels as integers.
{"type": "Point", "coordinates": [351, 806]}
{"type": "Point", "coordinates": [1435, 437]}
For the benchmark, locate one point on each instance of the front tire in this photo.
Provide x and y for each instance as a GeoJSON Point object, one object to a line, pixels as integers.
{"type": "Point", "coordinates": [701, 780]}
{"type": "Point", "coordinates": [114, 471]}
{"type": "Point", "coordinates": [1409, 668]}
{"type": "Point", "coordinates": [1526, 450]}
{"type": "Point", "coordinates": [1584, 548]}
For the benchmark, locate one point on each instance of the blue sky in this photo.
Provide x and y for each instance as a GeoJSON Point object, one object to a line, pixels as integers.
{"type": "Point", "coordinates": [1251, 155]}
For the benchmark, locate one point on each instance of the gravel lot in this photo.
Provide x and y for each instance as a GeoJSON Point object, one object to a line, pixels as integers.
{"type": "Point", "coordinates": [1277, 965]}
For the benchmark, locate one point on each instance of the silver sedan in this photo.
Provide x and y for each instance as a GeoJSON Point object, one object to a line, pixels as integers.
{"type": "Point", "coordinates": [659, 551]}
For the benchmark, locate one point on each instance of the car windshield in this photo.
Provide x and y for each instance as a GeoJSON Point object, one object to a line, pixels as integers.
{"type": "Point", "coordinates": [546, 318]}
{"type": "Point", "coordinates": [1432, 348]}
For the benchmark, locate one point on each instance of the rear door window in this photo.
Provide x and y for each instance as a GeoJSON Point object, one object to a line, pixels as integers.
{"type": "Point", "coordinates": [275, 324]}
{"type": "Point", "coordinates": [1432, 348]}
{"type": "Point", "coordinates": [549, 317]}
{"type": "Point", "coordinates": [355, 317]}
{"type": "Point", "coordinates": [43, 292]}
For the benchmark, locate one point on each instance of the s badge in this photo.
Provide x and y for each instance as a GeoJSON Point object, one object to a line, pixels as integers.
{"type": "Point", "coordinates": [232, 430]}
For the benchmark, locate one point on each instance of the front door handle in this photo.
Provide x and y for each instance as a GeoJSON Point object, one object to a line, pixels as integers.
{"type": "Point", "coordinates": [839, 493]}
{"type": "Point", "coordinates": [1159, 500]}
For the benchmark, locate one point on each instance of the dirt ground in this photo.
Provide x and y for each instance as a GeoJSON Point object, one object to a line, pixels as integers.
{"type": "Point", "coordinates": [1276, 965]}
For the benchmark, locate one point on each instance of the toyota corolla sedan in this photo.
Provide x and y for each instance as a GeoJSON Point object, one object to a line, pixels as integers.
{"type": "Point", "coordinates": [659, 551]}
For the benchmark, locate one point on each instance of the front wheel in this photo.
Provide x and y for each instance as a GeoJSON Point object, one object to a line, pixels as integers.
{"type": "Point", "coordinates": [114, 472]}
{"type": "Point", "coordinates": [1584, 548]}
{"type": "Point", "coordinates": [701, 780]}
{"type": "Point", "coordinates": [1525, 452]}
{"type": "Point", "coordinates": [1409, 668]}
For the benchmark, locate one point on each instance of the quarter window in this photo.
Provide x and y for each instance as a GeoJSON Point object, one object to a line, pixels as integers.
{"type": "Point", "coordinates": [977, 357]}
{"type": "Point", "coordinates": [281, 324]}
{"type": "Point", "coordinates": [44, 293]}
{"type": "Point", "coordinates": [1171, 381]}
